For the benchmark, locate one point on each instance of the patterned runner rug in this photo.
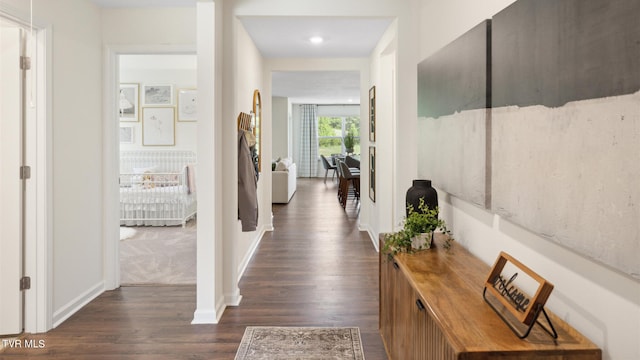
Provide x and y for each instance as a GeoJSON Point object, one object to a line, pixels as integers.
{"type": "Point", "coordinates": [268, 343]}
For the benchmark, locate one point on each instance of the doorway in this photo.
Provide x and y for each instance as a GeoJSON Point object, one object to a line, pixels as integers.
{"type": "Point", "coordinates": [314, 112]}
{"type": "Point", "coordinates": [157, 110]}
{"type": "Point", "coordinates": [12, 41]}
{"type": "Point", "coordinates": [24, 198]}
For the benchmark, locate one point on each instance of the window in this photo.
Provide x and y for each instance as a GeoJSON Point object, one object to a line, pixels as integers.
{"type": "Point", "coordinates": [331, 131]}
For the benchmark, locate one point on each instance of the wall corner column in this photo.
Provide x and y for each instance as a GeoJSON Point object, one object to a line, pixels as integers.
{"type": "Point", "coordinates": [209, 300]}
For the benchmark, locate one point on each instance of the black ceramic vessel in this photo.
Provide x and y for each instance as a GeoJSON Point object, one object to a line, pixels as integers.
{"type": "Point", "coordinates": [421, 189]}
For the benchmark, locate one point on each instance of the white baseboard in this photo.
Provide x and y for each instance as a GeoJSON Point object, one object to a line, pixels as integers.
{"type": "Point", "coordinates": [242, 267]}
{"type": "Point", "coordinates": [372, 236]}
{"type": "Point", "coordinates": [234, 300]}
{"type": "Point", "coordinates": [76, 304]}
{"type": "Point", "coordinates": [204, 317]}
{"type": "Point", "coordinates": [209, 316]}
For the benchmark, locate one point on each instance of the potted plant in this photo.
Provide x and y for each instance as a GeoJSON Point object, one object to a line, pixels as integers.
{"type": "Point", "coordinates": [417, 231]}
{"type": "Point", "coordinates": [349, 142]}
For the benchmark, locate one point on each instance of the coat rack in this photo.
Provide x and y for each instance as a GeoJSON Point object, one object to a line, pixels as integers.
{"type": "Point", "coordinates": [244, 122]}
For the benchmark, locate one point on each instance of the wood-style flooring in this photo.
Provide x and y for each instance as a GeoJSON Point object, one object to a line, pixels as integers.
{"type": "Point", "coordinates": [315, 269]}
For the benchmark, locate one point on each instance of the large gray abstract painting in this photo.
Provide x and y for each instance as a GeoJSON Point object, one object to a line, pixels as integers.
{"type": "Point", "coordinates": [566, 124]}
{"type": "Point", "coordinates": [557, 148]}
{"type": "Point", "coordinates": [453, 97]}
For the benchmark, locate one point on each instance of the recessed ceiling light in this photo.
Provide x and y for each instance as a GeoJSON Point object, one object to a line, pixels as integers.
{"type": "Point", "coordinates": [350, 100]}
{"type": "Point", "coordinates": [316, 39]}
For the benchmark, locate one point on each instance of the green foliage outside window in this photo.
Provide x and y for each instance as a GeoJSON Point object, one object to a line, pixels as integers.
{"type": "Point", "coordinates": [331, 131]}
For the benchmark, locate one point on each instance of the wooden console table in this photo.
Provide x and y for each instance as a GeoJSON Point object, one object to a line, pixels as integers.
{"type": "Point", "coordinates": [431, 307]}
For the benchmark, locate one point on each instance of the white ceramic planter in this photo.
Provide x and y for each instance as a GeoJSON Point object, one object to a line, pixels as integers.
{"type": "Point", "coordinates": [422, 241]}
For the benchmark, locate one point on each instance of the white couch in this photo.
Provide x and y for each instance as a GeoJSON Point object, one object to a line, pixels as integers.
{"type": "Point", "coordinates": [283, 183]}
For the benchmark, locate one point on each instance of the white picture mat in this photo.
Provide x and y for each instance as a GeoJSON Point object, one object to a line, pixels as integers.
{"type": "Point", "coordinates": [158, 126]}
{"type": "Point", "coordinates": [187, 105]}
{"type": "Point", "coordinates": [127, 134]}
{"type": "Point", "coordinates": [157, 94]}
{"type": "Point", "coordinates": [128, 102]}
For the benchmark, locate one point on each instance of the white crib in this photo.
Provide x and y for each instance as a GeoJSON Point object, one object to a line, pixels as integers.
{"type": "Point", "coordinates": [157, 188]}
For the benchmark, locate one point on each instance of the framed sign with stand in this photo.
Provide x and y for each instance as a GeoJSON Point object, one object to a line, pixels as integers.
{"type": "Point", "coordinates": [506, 289]}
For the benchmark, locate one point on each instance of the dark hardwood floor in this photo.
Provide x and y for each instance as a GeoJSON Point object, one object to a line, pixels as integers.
{"type": "Point", "coordinates": [315, 269]}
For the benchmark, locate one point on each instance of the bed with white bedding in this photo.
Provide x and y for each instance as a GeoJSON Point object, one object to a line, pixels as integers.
{"type": "Point", "coordinates": [157, 188]}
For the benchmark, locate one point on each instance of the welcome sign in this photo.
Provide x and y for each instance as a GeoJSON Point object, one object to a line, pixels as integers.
{"type": "Point", "coordinates": [519, 289]}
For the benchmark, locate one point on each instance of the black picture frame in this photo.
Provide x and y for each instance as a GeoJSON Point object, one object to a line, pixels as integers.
{"type": "Point", "coordinates": [372, 114]}
{"type": "Point", "coordinates": [372, 173]}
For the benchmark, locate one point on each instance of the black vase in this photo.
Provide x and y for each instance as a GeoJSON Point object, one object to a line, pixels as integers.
{"type": "Point", "coordinates": [421, 189]}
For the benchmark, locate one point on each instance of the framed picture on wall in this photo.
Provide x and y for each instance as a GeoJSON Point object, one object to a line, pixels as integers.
{"type": "Point", "coordinates": [158, 126]}
{"type": "Point", "coordinates": [157, 94]}
{"type": "Point", "coordinates": [372, 114]}
{"type": "Point", "coordinates": [128, 102]}
{"type": "Point", "coordinates": [372, 173]}
{"type": "Point", "coordinates": [127, 135]}
{"type": "Point", "coordinates": [187, 105]}
{"type": "Point", "coordinates": [257, 124]}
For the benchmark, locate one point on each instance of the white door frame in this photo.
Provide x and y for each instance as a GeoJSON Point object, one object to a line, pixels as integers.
{"type": "Point", "coordinates": [12, 130]}
{"type": "Point", "coordinates": [39, 246]}
{"type": "Point", "coordinates": [111, 146]}
{"type": "Point", "coordinates": [38, 252]}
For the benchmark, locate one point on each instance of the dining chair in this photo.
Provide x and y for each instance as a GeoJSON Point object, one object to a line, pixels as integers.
{"type": "Point", "coordinates": [350, 178]}
{"type": "Point", "coordinates": [341, 181]}
{"type": "Point", "coordinates": [327, 167]}
{"type": "Point", "coordinates": [352, 162]}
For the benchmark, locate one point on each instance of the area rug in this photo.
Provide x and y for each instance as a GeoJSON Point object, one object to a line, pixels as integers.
{"type": "Point", "coordinates": [127, 232]}
{"type": "Point", "coordinates": [159, 255]}
{"type": "Point", "coordinates": [300, 343]}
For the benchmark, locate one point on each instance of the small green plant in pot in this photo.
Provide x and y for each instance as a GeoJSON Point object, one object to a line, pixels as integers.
{"type": "Point", "coordinates": [417, 231]}
{"type": "Point", "coordinates": [349, 142]}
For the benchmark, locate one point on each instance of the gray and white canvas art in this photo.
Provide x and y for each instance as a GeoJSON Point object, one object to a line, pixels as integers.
{"type": "Point", "coordinates": [158, 95]}
{"type": "Point", "coordinates": [559, 144]}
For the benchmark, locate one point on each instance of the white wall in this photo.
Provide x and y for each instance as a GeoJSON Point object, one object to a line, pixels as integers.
{"type": "Point", "coordinates": [76, 94]}
{"type": "Point", "coordinates": [295, 132]}
{"type": "Point", "coordinates": [281, 129]}
{"type": "Point", "coordinates": [382, 217]}
{"type": "Point", "coordinates": [249, 77]}
{"type": "Point", "coordinates": [77, 137]}
{"type": "Point", "coordinates": [177, 70]}
{"type": "Point", "coordinates": [142, 27]}
{"type": "Point", "coordinates": [601, 303]}
{"type": "Point", "coordinates": [209, 304]}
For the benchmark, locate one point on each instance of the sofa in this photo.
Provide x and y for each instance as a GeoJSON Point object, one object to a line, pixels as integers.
{"type": "Point", "coordinates": [283, 181]}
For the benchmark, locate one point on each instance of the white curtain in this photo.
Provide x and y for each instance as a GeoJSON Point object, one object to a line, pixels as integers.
{"type": "Point", "coordinates": [308, 141]}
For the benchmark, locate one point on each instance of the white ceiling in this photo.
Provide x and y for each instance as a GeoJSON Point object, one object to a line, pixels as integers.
{"type": "Point", "coordinates": [158, 62]}
{"type": "Point", "coordinates": [317, 87]}
{"type": "Point", "coordinates": [288, 37]}
{"type": "Point", "coordinates": [144, 3]}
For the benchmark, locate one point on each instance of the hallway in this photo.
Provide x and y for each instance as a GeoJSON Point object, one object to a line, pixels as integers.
{"type": "Point", "coordinates": [315, 269]}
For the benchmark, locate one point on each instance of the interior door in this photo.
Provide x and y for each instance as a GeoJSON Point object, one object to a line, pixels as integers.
{"type": "Point", "coordinates": [11, 185]}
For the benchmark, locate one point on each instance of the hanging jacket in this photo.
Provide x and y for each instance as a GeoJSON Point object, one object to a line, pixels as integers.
{"type": "Point", "coordinates": [247, 184]}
